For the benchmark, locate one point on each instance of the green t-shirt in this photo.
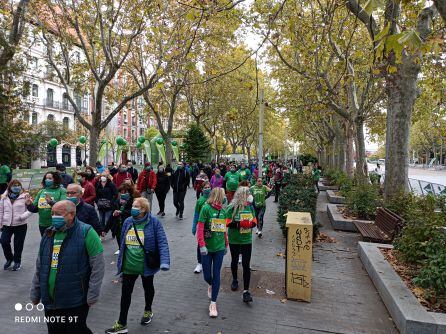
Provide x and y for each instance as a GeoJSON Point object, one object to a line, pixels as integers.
{"type": "Point", "coordinates": [134, 254]}
{"type": "Point", "coordinates": [92, 243]}
{"type": "Point", "coordinates": [4, 171]}
{"type": "Point", "coordinates": [316, 174]}
{"type": "Point", "coordinates": [56, 194]}
{"type": "Point", "coordinates": [200, 202]}
{"type": "Point", "coordinates": [259, 194]}
{"type": "Point", "coordinates": [245, 174]}
{"type": "Point", "coordinates": [232, 180]}
{"type": "Point", "coordinates": [215, 221]}
{"type": "Point", "coordinates": [241, 236]}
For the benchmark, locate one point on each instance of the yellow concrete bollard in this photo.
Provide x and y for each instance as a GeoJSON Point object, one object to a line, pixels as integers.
{"type": "Point", "coordinates": [299, 255]}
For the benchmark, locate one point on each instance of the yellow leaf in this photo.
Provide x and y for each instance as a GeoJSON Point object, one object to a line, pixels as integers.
{"type": "Point", "coordinates": [392, 69]}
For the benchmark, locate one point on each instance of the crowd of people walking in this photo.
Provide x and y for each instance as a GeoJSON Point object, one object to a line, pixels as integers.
{"type": "Point", "coordinates": [75, 213]}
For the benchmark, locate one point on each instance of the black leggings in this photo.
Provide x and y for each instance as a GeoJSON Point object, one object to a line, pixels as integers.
{"type": "Point", "coordinates": [128, 282]}
{"type": "Point", "coordinates": [161, 196]}
{"type": "Point", "coordinates": [245, 250]}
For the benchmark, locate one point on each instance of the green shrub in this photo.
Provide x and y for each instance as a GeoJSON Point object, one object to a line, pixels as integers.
{"type": "Point", "coordinates": [362, 200]}
{"type": "Point", "coordinates": [423, 244]}
{"type": "Point", "coordinates": [299, 195]}
{"type": "Point", "coordinates": [375, 178]}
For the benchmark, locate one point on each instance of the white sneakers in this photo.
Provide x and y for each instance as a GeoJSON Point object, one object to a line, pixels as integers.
{"type": "Point", "coordinates": [117, 252]}
{"type": "Point", "coordinates": [213, 310]}
{"type": "Point", "coordinates": [198, 269]}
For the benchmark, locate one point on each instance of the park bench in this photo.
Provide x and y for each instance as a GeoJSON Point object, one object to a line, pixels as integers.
{"type": "Point", "coordinates": [386, 226]}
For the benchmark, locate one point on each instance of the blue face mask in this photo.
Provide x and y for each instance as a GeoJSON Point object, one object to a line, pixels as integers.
{"type": "Point", "coordinates": [16, 189]}
{"type": "Point", "coordinates": [125, 196]}
{"type": "Point", "coordinates": [206, 192]}
{"type": "Point", "coordinates": [58, 222]}
{"type": "Point", "coordinates": [135, 212]}
{"type": "Point", "coordinates": [75, 200]}
{"type": "Point", "coordinates": [49, 183]}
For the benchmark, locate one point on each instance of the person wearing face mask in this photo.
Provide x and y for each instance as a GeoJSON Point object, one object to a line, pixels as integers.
{"type": "Point", "coordinates": [121, 175]}
{"type": "Point", "coordinates": [69, 270]}
{"type": "Point", "coordinates": [161, 189]}
{"type": "Point", "coordinates": [133, 171]}
{"type": "Point", "coordinates": [232, 179]}
{"type": "Point", "coordinates": [106, 198]}
{"type": "Point", "coordinates": [213, 241]}
{"type": "Point", "coordinates": [206, 191]}
{"type": "Point", "coordinates": [85, 212]}
{"type": "Point", "coordinates": [199, 180]}
{"type": "Point", "coordinates": [66, 179]}
{"type": "Point", "coordinates": [179, 182]}
{"type": "Point", "coordinates": [126, 195]}
{"type": "Point", "coordinates": [242, 220]}
{"type": "Point", "coordinates": [13, 222]}
{"type": "Point", "coordinates": [217, 179]}
{"type": "Point", "coordinates": [145, 251]}
{"type": "Point", "coordinates": [50, 193]}
{"type": "Point", "coordinates": [260, 193]}
{"type": "Point", "coordinates": [89, 191]}
{"type": "Point", "coordinates": [147, 183]}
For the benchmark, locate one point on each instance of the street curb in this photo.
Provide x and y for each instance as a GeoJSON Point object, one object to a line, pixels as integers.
{"type": "Point", "coordinates": [408, 314]}
{"type": "Point", "coordinates": [335, 199]}
{"type": "Point", "coordinates": [322, 187]}
{"type": "Point", "coordinates": [339, 222]}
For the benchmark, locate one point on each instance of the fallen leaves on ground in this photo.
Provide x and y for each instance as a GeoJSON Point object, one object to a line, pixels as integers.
{"type": "Point", "coordinates": [280, 254]}
{"type": "Point", "coordinates": [283, 301]}
{"type": "Point", "coordinates": [270, 292]}
{"type": "Point", "coordinates": [325, 238]}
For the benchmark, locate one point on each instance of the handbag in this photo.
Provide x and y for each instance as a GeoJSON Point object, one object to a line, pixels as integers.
{"type": "Point", "coordinates": [152, 258]}
{"type": "Point", "coordinates": [104, 204]}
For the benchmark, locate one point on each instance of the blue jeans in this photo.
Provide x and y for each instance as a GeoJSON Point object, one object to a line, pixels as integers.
{"type": "Point", "coordinates": [212, 263]}
{"type": "Point", "coordinates": [104, 217]}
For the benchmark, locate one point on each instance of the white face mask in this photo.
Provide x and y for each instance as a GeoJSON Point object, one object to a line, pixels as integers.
{"type": "Point", "coordinates": [103, 178]}
{"type": "Point", "coordinates": [250, 199]}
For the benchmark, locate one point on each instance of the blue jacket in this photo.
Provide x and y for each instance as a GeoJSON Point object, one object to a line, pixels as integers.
{"type": "Point", "coordinates": [87, 213]}
{"type": "Point", "coordinates": [73, 276]}
{"type": "Point", "coordinates": [153, 230]}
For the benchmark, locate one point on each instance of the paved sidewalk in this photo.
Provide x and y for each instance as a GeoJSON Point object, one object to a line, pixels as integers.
{"type": "Point", "coordinates": [344, 299]}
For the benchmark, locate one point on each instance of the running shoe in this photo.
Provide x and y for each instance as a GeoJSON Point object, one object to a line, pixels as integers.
{"type": "Point", "coordinates": [247, 298]}
{"type": "Point", "coordinates": [240, 258]}
{"type": "Point", "coordinates": [117, 252]}
{"type": "Point", "coordinates": [16, 266]}
{"type": "Point", "coordinates": [234, 285]}
{"type": "Point", "coordinates": [7, 265]}
{"type": "Point", "coordinates": [146, 318]}
{"type": "Point", "coordinates": [213, 310]}
{"type": "Point", "coordinates": [117, 329]}
{"type": "Point", "coordinates": [198, 269]}
{"type": "Point", "coordinates": [181, 216]}
{"type": "Point", "coordinates": [260, 234]}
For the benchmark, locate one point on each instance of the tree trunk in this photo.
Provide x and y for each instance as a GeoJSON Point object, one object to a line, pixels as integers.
{"type": "Point", "coordinates": [349, 150]}
{"type": "Point", "coordinates": [234, 148]}
{"type": "Point", "coordinates": [361, 163]}
{"type": "Point", "coordinates": [248, 150]}
{"type": "Point", "coordinates": [94, 145]}
{"type": "Point", "coordinates": [401, 90]}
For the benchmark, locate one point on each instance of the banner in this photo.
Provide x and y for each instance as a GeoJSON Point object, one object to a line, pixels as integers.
{"type": "Point", "coordinates": [162, 151]}
{"type": "Point", "coordinates": [148, 150]}
{"type": "Point", "coordinates": [118, 155]}
{"type": "Point", "coordinates": [176, 152]}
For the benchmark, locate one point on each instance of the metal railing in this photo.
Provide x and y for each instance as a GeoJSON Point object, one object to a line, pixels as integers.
{"type": "Point", "coordinates": [422, 188]}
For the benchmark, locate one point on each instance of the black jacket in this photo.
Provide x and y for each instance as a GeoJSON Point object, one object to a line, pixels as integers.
{"type": "Point", "coordinates": [109, 191]}
{"type": "Point", "coordinates": [66, 179]}
{"type": "Point", "coordinates": [134, 173]}
{"type": "Point", "coordinates": [86, 213]}
{"type": "Point", "coordinates": [162, 183]}
{"type": "Point", "coordinates": [180, 180]}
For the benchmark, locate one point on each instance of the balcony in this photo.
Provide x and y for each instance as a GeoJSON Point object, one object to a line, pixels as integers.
{"type": "Point", "coordinates": [64, 105]}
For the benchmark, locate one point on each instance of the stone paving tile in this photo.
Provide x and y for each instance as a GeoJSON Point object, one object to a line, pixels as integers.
{"type": "Point", "coordinates": [344, 299]}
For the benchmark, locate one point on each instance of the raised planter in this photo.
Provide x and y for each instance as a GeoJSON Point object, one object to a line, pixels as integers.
{"type": "Point", "coordinates": [339, 222]}
{"type": "Point", "coordinates": [335, 199]}
{"type": "Point", "coordinates": [408, 314]}
{"type": "Point", "coordinates": [322, 187]}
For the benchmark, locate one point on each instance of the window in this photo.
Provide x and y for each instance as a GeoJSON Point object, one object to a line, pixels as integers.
{"type": "Point", "coordinates": [34, 118]}
{"type": "Point", "coordinates": [35, 90]}
{"type": "Point", "coordinates": [77, 57]}
{"type": "Point", "coordinates": [33, 63]}
{"type": "Point", "coordinates": [50, 118]}
{"type": "Point", "coordinates": [141, 131]}
{"type": "Point", "coordinates": [124, 116]}
{"type": "Point", "coordinates": [49, 97]}
{"type": "Point", "coordinates": [26, 88]}
{"type": "Point", "coordinates": [78, 100]}
{"type": "Point", "coordinates": [133, 135]}
{"type": "Point", "coordinates": [66, 123]}
{"type": "Point", "coordinates": [125, 133]}
{"type": "Point", "coordinates": [65, 101]}
{"type": "Point", "coordinates": [133, 120]}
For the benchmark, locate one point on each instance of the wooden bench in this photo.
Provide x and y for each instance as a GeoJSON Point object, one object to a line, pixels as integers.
{"type": "Point", "coordinates": [387, 225]}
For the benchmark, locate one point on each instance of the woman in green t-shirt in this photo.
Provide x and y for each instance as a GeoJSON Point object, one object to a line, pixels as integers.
{"type": "Point", "coordinates": [51, 192]}
{"type": "Point", "coordinates": [243, 219]}
{"type": "Point", "coordinates": [213, 241]}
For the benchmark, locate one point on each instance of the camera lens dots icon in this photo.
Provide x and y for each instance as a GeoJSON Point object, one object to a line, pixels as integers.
{"type": "Point", "coordinates": [18, 307]}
